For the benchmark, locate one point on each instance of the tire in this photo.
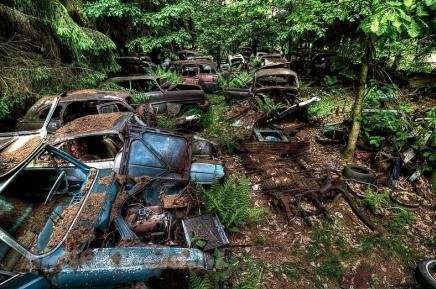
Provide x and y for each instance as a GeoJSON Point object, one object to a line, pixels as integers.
{"type": "Point", "coordinates": [424, 275]}
{"type": "Point", "coordinates": [359, 173]}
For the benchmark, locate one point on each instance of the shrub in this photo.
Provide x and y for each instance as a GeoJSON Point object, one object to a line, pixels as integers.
{"type": "Point", "coordinates": [231, 202]}
{"type": "Point", "coordinates": [171, 76]}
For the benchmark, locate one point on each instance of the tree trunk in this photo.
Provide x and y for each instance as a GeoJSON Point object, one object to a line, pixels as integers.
{"type": "Point", "coordinates": [348, 152]}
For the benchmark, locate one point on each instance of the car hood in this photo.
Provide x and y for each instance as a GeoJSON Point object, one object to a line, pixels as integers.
{"type": "Point", "coordinates": [98, 124]}
{"type": "Point", "coordinates": [17, 147]}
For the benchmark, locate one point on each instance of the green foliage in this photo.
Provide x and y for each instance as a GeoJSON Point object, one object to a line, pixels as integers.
{"type": "Point", "coordinates": [374, 200]}
{"type": "Point", "coordinates": [216, 127]}
{"type": "Point", "coordinates": [145, 26]}
{"type": "Point", "coordinates": [249, 278]}
{"type": "Point", "coordinates": [166, 122]}
{"type": "Point", "coordinates": [392, 245]}
{"type": "Point", "coordinates": [198, 282]}
{"type": "Point", "coordinates": [331, 80]}
{"type": "Point", "coordinates": [328, 248]}
{"type": "Point", "coordinates": [240, 79]}
{"type": "Point", "coordinates": [231, 202]}
{"type": "Point", "coordinates": [170, 76]}
{"type": "Point", "coordinates": [267, 105]}
{"type": "Point", "coordinates": [400, 219]}
{"type": "Point", "coordinates": [321, 109]}
{"type": "Point", "coordinates": [255, 63]}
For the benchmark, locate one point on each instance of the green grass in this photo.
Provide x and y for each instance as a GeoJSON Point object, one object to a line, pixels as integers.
{"type": "Point", "coordinates": [329, 249]}
{"type": "Point", "coordinates": [375, 200]}
{"type": "Point", "coordinates": [166, 122]}
{"type": "Point", "coordinates": [216, 127]}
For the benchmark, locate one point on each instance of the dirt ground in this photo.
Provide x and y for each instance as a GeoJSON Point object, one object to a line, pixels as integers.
{"type": "Point", "coordinates": [349, 255]}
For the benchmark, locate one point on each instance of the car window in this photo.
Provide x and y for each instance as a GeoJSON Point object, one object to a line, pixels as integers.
{"type": "Point", "coordinates": [205, 68]}
{"type": "Point", "coordinates": [30, 213]}
{"type": "Point", "coordinates": [145, 85]}
{"type": "Point", "coordinates": [56, 115]}
{"type": "Point", "coordinates": [78, 109]}
{"type": "Point", "coordinates": [125, 84]}
{"type": "Point", "coordinates": [189, 70]}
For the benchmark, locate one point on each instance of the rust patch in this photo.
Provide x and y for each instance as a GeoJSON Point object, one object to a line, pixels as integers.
{"type": "Point", "coordinates": [12, 156]}
{"type": "Point", "coordinates": [107, 180]}
{"type": "Point", "coordinates": [89, 124]}
{"type": "Point", "coordinates": [116, 258]}
{"type": "Point", "coordinates": [175, 201]}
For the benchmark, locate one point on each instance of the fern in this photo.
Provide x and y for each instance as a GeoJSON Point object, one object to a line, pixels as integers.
{"type": "Point", "coordinates": [231, 202]}
{"type": "Point", "coordinates": [198, 282]}
{"type": "Point", "coordinates": [267, 105]}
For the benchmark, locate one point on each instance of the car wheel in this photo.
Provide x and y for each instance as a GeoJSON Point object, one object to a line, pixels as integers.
{"type": "Point", "coordinates": [425, 274]}
{"type": "Point", "coordinates": [358, 173]}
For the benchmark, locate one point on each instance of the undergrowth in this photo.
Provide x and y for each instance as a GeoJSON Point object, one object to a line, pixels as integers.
{"type": "Point", "coordinates": [216, 127]}
{"type": "Point", "coordinates": [166, 122]}
{"type": "Point", "coordinates": [171, 76]}
{"type": "Point", "coordinates": [231, 202]}
{"type": "Point", "coordinates": [230, 274]}
{"type": "Point", "coordinates": [240, 79]}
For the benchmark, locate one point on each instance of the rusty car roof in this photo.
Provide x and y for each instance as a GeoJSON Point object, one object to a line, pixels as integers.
{"type": "Point", "coordinates": [92, 125]}
{"type": "Point", "coordinates": [80, 95]}
{"type": "Point", "coordinates": [267, 71]}
{"type": "Point", "coordinates": [195, 61]}
{"type": "Point", "coordinates": [134, 77]}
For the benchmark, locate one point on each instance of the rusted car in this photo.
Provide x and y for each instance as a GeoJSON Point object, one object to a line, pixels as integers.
{"type": "Point", "coordinates": [275, 83]}
{"type": "Point", "coordinates": [184, 54]}
{"type": "Point", "coordinates": [77, 226]}
{"type": "Point", "coordinates": [237, 61]}
{"type": "Point", "coordinates": [200, 72]}
{"type": "Point", "coordinates": [75, 104]}
{"type": "Point", "coordinates": [98, 145]}
{"type": "Point", "coordinates": [132, 65]}
{"type": "Point", "coordinates": [271, 59]}
{"type": "Point", "coordinates": [162, 95]}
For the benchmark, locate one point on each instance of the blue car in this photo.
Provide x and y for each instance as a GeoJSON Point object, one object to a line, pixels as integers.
{"type": "Point", "coordinates": [64, 224]}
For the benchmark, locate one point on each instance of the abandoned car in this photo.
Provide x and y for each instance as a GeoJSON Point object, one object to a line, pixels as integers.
{"type": "Point", "coordinates": [271, 59]}
{"type": "Point", "coordinates": [161, 94]}
{"type": "Point", "coordinates": [75, 104]}
{"type": "Point", "coordinates": [200, 72]}
{"type": "Point", "coordinates": [98, 146]}
{"type": "Point", "coordinates": [131, 65]}
{"type": "Point", "coordinates": [83, 227]}
{"type": "Point", "coordinates": [237, 61]}
{"type": "Point", "coordinates": [184, 54]}
{"type": "Point", "coordinates": [275, 83]}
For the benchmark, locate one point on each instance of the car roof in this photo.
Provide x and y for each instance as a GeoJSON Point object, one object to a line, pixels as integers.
{"type": "Point", "coordinates": [274, 71]}
{"type": "Point", "coordinates": [135, 77]}
{"type": "Point", "coordinates": [92, 125]}
{"type": "Point", "coordinates": [195, 61]}
{"type": "Point", "coordinates": [93, 94]}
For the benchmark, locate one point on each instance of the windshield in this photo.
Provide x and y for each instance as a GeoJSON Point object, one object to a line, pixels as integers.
{"type": "Point", "coordinates": [49, 186]}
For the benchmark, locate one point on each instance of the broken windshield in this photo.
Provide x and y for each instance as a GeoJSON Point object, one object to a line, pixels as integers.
{"type": "Point", "coordinates": [32, 201]}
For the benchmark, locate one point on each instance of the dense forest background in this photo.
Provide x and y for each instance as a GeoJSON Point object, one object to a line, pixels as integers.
{"type": "Point", "coordinates": [47, 46]}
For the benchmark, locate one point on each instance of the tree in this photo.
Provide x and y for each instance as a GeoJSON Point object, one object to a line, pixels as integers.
{"type": "Point", "coordinates": [381, 27]}
{"type": "Point", "coordinates": [159, 27]}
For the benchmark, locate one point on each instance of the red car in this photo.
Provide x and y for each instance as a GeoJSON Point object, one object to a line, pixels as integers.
{"type": "Point", "coordinates": [200, 72]}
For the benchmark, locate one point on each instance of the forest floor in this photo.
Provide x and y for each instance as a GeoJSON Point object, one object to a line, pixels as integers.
{"type": "Point", "coordinates": [337, 250]}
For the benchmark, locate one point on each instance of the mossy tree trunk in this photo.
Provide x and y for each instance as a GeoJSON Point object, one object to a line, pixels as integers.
{"type": "Point", "coordinates": [348, 152]}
